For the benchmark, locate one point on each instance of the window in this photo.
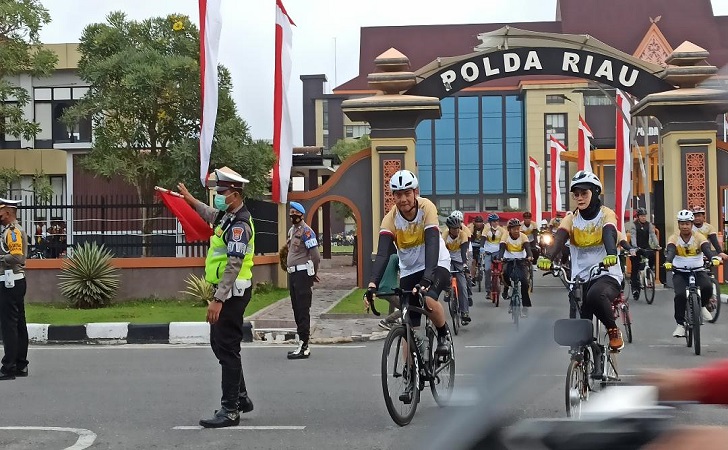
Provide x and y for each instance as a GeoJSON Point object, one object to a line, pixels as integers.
{"type": "Point", "coordinates": [79, 92]}
{"type": "Point", "coordinates": [44, 118]}
{"type": "Point", "coordinates": [445, 148]}
{"type": "Point", "coordinates": [597, 100]}
{"type": "Point", "coordinates": [556, 127]}
{"type": "Point", "coordinates": [356, 131]}
{"type": "Point", "coordinates": [423, 155]}
{"type": "Point", "coordinates": [469, 204]}
{"type": "Point", "coordinates": [43, 94]}
{"type": "Point", "coordinates": [555, 99]}
{"type": "Point", "coordinates": [493, 204]}
{"type": "Point", "coordinates": [445, 206]}
{"type": "Point", "coordinates": [492, 141]}
{"type": "Point", "coordinates": [515, 148]}
{"type": "Point", "coordinates": [325, 106]}
{"type": "Point", "coordinates": [468, 151]}
{"type": "Point", "coordinates": [62, 93]}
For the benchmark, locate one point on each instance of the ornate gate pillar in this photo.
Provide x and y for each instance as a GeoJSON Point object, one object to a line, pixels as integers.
{"type": "Point", "coordinates": [392, 118]}
{"type": "Point", "coordinates": [689, 133]}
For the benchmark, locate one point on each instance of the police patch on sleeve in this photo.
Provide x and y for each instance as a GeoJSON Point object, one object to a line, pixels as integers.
{"type": "Point", "coordinates": [236, 233]}
{"type": "Point", "coordinates": [237, 249]}
{"type": "Point", "coordinates": [309, 238]}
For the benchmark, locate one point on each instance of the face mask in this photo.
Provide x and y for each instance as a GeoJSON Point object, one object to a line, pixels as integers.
{"type": "Point", "coordinates": [295, 219]}
{"type": "Point", "coordinates": [219, 202]}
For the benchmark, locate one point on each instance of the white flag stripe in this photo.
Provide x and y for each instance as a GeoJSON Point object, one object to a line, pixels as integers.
{"type": "Point", "coordinates": [285, 132]}
{"type": "Point", "coordinates": [623, 167]}
{"type": "Point", "coordinates": [210, 46]}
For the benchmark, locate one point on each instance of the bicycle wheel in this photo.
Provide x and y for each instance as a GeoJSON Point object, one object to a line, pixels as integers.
{"type": "Point", "coordinates": [648, 286]}
{"type": "Point", "coordinates": [696, 322]}
{"type": "Point", "coordinates": [399, 372]}
{"type": "Point", "coordinates": [714, 304]}
{"type": "Point", "coordinates": [627, 322]}
{"type": "Point", "coordinates": [530, 277]}
{"type": "Point", "coordinates": [516, 303]}
{"type": "Point", "coordinates": [577, 388]}
{"type": "Point", "coordinates": [454, 307]}
{"type": "Point", "coordinates": [480, 279]}
{"type": "Point", "coordinates": [495, 289]}
{"type": "Point", "coordinates": [444, 380]}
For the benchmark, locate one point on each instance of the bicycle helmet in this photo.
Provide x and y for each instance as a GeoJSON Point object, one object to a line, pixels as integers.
{"type": "Point", "coordinates": [458, 214]}
{"type": "Point", "coordinates": [584, 179]}
{"type": "Point", "coordinates": [685, 216]}
{"type": "Point", "coordinates": [698, 210]}
{"type": "Point", "coordinates": [479, 219]}
{"type": "Point", "coordinates": [544, 223]}
{"type": "Point", "coordinates": [453, 222]}
{"type": "Point", "coordinates": [641, 212]}
{"type": "Point", "coordinates": [514, 223]}
{"type": "Point", "coordinates": [527, 215]}
{"type": "Point", "coordinates": [403, 180]}
{"type": "Point", "coordinates": [493, 218]}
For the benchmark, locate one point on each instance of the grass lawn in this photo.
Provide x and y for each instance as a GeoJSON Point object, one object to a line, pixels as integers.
{"type": "Point", "coordinates": [342, 249]}
{"type": "Point", "coordinates": [724, 288]}
{"type": "Point", "coordinates": [353, 304]}
{"type": "Point", "coordinates": [138, 311]}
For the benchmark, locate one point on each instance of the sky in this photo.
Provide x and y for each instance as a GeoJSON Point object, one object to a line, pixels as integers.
{"type": "Point", "coordinates": [325, 38]}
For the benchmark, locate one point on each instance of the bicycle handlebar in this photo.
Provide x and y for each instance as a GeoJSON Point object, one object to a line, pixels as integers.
{"type": "Point", "coordinates": [399, 292]}
{"type": "Point", "coordinates": [559, 270]}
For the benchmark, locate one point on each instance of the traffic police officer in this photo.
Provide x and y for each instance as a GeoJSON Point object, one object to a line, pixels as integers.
{"type": "Point", "coordinates": [228, 267]}
{"type": "Point", "coordinates": [303, 264]}
{"type": "Point", "coordinates": [13, 248]}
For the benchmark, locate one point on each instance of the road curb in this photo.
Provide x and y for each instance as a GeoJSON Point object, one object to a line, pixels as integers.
{"type": "Point", "coordinates": [127, 333]}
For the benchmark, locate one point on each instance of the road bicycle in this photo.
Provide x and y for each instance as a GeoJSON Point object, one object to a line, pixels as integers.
{"type": "Point", "coordinates": [452, 298]}
{"type": "Point", "coordinates": [591, 366]}
{"type": "Point", "coordinates": [693, 319]}
{"type": "Point", "coordinates": [496, 271]}
{"type": "Point", "coordinates": [516, 302]}
{"type": "Point", "coordinates": [714, 303]}
{"type": "Point", "coordinates": [620, 309]}
{"type": "Point", "coordinates": [646, 276]}
{"type": "Point", "coordinates": [409, 361]}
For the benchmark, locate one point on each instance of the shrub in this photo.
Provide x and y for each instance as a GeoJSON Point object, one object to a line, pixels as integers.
{"type": "Point", "coordinates": [198, 289]}
{"type": "Point", "coordinates": [88, 280]}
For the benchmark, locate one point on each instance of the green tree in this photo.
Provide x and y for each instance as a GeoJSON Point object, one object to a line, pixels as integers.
{"type": "Point", "coordinates": [144, 101]}
{"type": "Point", "coordinates": [343, 149]}
{"type": "Point", "coordinates": [21, 53]}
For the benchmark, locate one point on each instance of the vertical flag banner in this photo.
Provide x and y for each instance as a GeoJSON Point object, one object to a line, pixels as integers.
{"type": "Point", "coordinates": [535, 177]}
{"type": "Point", "coordinates": [210, 27]}
{"type": "Point", "coordinates": [585, 136]}
{"type": "Point", "coordinates": [556, 149]}
{"type": "Point", "coordinates": [282, 129]}
{"type": "Point", "coordinates": [623, 169]}
{"type": "Point", "coordinates": [725, 127]}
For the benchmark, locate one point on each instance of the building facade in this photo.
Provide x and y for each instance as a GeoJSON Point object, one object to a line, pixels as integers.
{"type": "Point", "coordinates": [474, 157]}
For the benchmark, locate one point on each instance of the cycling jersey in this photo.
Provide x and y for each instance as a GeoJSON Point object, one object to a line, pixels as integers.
{"type": "Point", "coordinates": [706, 229]}
{"type": "Point", "coordinates": [453, 244]}
{"type": "Point", "coordinates": [409, 237]}
{"type": "Point", "coordinates": [476, 236]}
{"type": "Point", "coordinates": [530, 231]}
{"type": "Point", "coordinates": [587, 246]}
{"type": "Point", "coordinates": [515, 248]}
{"type": "Point", "coordinates": [493, 237]}
{"type": "Point", "coordinates": [688, 254]}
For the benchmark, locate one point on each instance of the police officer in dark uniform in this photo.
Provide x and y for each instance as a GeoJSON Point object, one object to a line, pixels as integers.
{"type": "Point", "coordinates": [13, 248]}
{"type": "Point", "coordinates": [228, 267]}
{"type": "Point", "coordinates": [303, 264]}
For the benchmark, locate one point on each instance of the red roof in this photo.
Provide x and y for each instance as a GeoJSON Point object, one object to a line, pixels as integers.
{"type": "Point", "coordinates": [619, 23]}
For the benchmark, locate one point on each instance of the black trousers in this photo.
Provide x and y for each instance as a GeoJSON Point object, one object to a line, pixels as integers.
{"type": "Point", "coordinates": [299, 286]}
{"type": "Point", "coordinates": [227, 333]}
{"type": "Point", "coordinates": [518, 271]}
{"type": "Point", "coordinates": [634, 278]}
{"type": "Point", "coordinates": [598, 301]}
{"type": "Point", "coordinates": [14, 328]}
{"type": "Point", "coordinates": [680, 284]}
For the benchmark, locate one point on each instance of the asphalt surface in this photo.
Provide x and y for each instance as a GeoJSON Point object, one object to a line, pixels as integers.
{"type": "Point", "coordinates": [137, 397]}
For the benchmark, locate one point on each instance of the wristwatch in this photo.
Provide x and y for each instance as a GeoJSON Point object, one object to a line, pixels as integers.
{"type": "Point", "coordinates": [217, 300]}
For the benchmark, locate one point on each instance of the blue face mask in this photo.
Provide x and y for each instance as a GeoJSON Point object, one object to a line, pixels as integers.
{"type": "Point", "coordinates": [219, 202]}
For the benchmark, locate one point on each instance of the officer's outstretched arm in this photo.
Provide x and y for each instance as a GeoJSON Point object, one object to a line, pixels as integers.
{"type": "Point", "coordinates": [385, 249]}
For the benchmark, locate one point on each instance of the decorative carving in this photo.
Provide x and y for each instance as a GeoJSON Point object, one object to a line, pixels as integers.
{"type": "Point", "coordinates": [654, 47]}
{"type": "Point", "coordinates": [389, 167]}
{"type": "Point", "coordinates": [695, 182]}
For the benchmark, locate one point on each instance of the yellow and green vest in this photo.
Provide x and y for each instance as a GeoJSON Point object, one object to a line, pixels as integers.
{"type": "Point", "coordinates": [217, 256]}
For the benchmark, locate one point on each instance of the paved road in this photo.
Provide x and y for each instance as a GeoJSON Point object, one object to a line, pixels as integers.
{"type": "Point", "coordinates": [134, 397]}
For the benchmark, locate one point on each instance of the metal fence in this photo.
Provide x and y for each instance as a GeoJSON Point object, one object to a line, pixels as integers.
{"type": "Point", "coordinates": [117, 222]}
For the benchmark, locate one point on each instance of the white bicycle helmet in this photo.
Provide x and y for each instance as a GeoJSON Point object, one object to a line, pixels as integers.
{"type": "Point", "coordinates": [584, 179]}
{"type": "Point", "coordinates": [403, 180]}
{"type": "Point", "coordinates": [685, 216]}
{"type": "Point", "coordinates": [458, 215]}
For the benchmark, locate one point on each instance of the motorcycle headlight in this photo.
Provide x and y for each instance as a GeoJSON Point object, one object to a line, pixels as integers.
{"type": "Point", "coordinates": [547, 239]}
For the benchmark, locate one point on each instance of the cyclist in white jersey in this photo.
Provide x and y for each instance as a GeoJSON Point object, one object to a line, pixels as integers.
{"type": "Point", "coordinates": [412, 230]}
{"type": "Point", "coordinates": [592, 230]}
{"type": "Point", "coordinates": [456, 239]}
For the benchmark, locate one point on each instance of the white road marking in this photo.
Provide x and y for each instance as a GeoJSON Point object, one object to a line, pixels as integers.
{"type": "Point", "coordinates": [179, 346]}
{"type": "Point", "coordinates": [261, 427]}
{"type": "Point", "coordinates": [483, 346]}
{"type": "Point", "coordinates": [86, 438]}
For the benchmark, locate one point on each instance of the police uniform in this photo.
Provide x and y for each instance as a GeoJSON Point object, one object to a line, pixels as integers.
{"type": "Point", "coordinates": [13, 249]}
{"type": "Point", "coordinates": [228, 267]}
{"type": "Point", "coordinates": [302, 265]}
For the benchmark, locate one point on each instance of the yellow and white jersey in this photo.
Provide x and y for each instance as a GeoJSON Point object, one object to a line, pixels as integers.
{"type": "Point", "coordinates": [531, 231]}
{"type": "Point", "coordinates": [587, 244]}
{"type": "Point", "coordinates": [409, 237]}
{"type": "Point", "coordinates": [515, 248]}
{"type": "Point", "coordinates": [493, 237]}
{"type": "Point", "coordinates": [706, 229]}
{"type": "Point", "coordinates": [453, 244]}
{"type": "Point", "coordinates": [688, 255]}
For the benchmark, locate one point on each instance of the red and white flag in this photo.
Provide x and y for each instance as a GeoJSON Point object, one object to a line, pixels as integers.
{"type": "Point", "coordinates": [725, 127]}
{"type": "Point", "coordinates": [210, 27]}
{"type": "Point", "coordinates": [585, 135]}
{"type": "Point", "coordinates": [535, 177]}
{"type": "Point", "coordinates": [623, 169]}
{"type": "Point", "coordinates": [282, 129]}
{"type": "Point", "coordinates": [556, 149]}
{"type": "Point", "coordinates": [194, 227]}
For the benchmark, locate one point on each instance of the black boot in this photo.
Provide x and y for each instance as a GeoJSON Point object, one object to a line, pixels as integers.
{"type": "Point", "coordinates": [245, 405]}
{"type": "Point", "coordinates": [227, 415]}
{"type": "Point", "coordinates": [301, 352]}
